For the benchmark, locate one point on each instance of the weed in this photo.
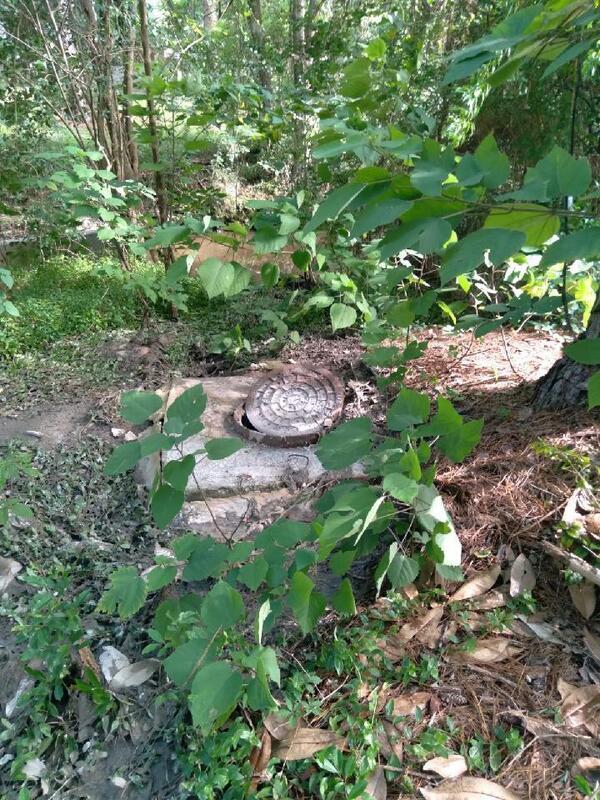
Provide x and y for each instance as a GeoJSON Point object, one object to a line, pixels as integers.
{"type": "Point", "coordinates": [489, 756]}
{"type": "Point", "coordinates": [82, 519]}
{"type": "Point", "coordinates": [65, 296]}
{"type": "Point", "coordinates": [218, 765]}
{"type": "Point", "coordinates": [48, 627]}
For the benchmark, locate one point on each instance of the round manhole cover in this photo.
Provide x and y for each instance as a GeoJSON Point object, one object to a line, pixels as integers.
{"type": "Point", "coordinates": [293, 405]}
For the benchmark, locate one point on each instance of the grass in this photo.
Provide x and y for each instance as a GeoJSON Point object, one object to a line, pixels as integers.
{"type": "Point", "coordinates": [73, 316]}
{"type": "Point", "coordinates": [64, 296]}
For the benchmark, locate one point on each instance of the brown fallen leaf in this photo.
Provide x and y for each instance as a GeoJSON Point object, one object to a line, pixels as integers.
{"type": "Point", "coordinates": [479, 584]}
{"type": "Point", "coordinates": [390, 742]}
{"type": "Point", "coordinates": [451, 767]}
{"type": "Point", "coordinates": [494, 599]}
{"type": "Point", "coordinates": [571, 514]}
{"type": "Point", "coordinates": [522, 576]}
{"type": "Point", "coordinates": [376, 787]}
{"type": "Point", "coordinates": [305, 742]}
{"type": "Point", "coordinates": [414, 626]}
{"type": "Point", "coordinates": [487, 651]}
{"type": "Point", "coordinates": [392, 648]}
{"type": "Point", "coordinates": [541, 630]}
{"type": "Point", "coordinates": [538, 726]}
{"type": "Point", "coordinates": [87, 659]}
{"type": "Point", "coordinates": [279, 725]}
{"type": "Point", "coordinates": [469, 789]}
{"type": "Point", "coordinates": [407, 704]}
{"type": "Point", "coordinates": [592, 642]}
{"type": "Point", "coordinates": [583, 596]}
{"type": "Point", "coordinates": [592, 523]}
{"type": "Point", "coordinates": [430, 636]}
{"type": "Point", "coordinates": [589, 768]}
{"type": "Point", "coordinates": [410, 591]}
{"type": "Point", "coordinates": [476, 621]}
{"type": "Point", "coordinates": [259, 758]}
{"type": "Point", "coordinates": [580, 706]}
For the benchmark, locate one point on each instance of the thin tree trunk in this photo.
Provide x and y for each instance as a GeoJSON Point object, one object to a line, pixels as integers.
{"type": "Point", "coordinates": [258, 39]}
{"type": "Point", "coordinates": [161, 195]}
{"type": "Point", "coordinates": [297, 40]}
{"type": "Point", "coordinates": [210, 14]}
{"type": "Point", "coordinates": [128, 64]}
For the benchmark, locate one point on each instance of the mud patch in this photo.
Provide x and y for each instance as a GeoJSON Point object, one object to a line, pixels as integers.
{"type": "Point", "coordinates": [50, 427]}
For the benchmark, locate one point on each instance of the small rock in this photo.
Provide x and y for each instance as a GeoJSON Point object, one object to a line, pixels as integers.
{"type": "Point", "coordinates": [35, 434]}
{"type": "Point", "coordinates": [9, 568]}
{"type": "Point", "coordinates": [130, 436]}
{"type": "Point", "coordinates": [117, 432]}
{"type": "Point", "coordinates": [524, 413]}
{"type": "Point", "coordinates": [25, 684]}
{"type": "Point", "coordinates": [112, 661]}
{"type": "Point", "coordinates": [118, 781]}
{"type": "Point", "coordinates": [35, 768]}
{"type": "Point", "coordinates": [134, 674]}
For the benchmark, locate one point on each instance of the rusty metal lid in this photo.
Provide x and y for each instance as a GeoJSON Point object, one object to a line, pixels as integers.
{"type": "Point", "coordinates": [293, 405]}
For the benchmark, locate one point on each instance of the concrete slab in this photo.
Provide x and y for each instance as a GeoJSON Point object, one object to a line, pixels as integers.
{"type": "Point", "coordinates": [254, 468]}
{"type": "Point", "coordinates": [233, 518]}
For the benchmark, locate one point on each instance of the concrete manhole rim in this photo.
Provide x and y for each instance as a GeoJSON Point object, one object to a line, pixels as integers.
{"type": "Point", "coordinates": [274, 411]}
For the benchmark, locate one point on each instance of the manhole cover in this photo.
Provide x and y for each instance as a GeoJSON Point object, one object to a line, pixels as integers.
{"type": "Point", "coordinates": [292, 406]}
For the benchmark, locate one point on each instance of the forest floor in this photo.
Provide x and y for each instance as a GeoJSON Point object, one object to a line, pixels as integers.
{"type": "Point", "coordinates": [501, 709]}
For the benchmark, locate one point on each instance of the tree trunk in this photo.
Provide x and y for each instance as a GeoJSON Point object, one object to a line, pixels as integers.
{"type": "Point", "coordinates": [298, 59]}
{"type": "Point", "coordinates": [161, 195]}
{"type": "Point", "coordinates": [297, 40]}
{"type": "Point", "coordinates": [565, 385]}
{"type": "Point", "coordinates": [210, 14]}
{"type": "Point", "coordinates": [258, 39]}
{"type": "Point", "coordinates": [128, 66]}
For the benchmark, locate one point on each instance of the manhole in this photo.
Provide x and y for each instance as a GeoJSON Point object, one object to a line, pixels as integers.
{"type": "Point", "coordinates": [291, 406]}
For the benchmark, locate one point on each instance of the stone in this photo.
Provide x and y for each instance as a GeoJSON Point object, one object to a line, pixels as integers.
{"type": "Point", "coordinates": [25, 685]}
{"type": "Point", "coordinates": [9, 569]}
{"type": "Point", "coordinates": [232, 518]}
{"type": "Point", "coordinates": [111, 662]}
{"type": "Point", "coordinates": [133, 674]}
{"type": "Point", "coordinates": [255, 468]}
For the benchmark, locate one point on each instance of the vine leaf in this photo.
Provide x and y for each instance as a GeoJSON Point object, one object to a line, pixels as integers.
{"type": "Point", "coordinates": [126, 594]}
{"type": "Point", "coordinates": [214, 694]}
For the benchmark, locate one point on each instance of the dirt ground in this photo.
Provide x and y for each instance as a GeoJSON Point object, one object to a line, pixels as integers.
{"type": "Point", "coordinates": [504, 497]}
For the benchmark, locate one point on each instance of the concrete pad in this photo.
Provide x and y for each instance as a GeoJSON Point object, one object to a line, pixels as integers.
{"type": "Point", "coordinates": [233, 518]}
{"type": "Point", "coordinates": [254, 468]}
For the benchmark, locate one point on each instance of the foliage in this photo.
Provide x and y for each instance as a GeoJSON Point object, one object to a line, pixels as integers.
{"type": "Point", "coordinates": [67, 296]}
{"type": "Point", "coordinates": [6, 283]}
{"type": "Point", "coordinates": [556, 32]}
{"type": "Point", "coordinates": [12, 466]}
{"type": "Point", "coordinates": [419, 204]}
{"type": "Point", "coordinates": [582, 470]}
{"type": "Point", "coordinates": [48, 626]}
{"type": "Point", "coordinates": [204, 660]}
